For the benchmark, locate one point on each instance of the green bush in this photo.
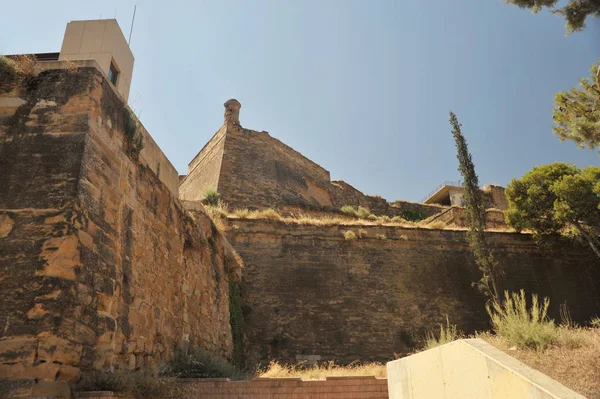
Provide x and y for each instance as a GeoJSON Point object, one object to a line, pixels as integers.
{"type": "Point", "coordinates": [348, 210]}
{"type": "Point", "coordinates": [448, 333]}
{"type": "Point", "coordinates": [363, 212]}
{"type": "Point", "coordinates": [211, 196]}
{"type": "Point", "coordinates": [197, 363]}
{"type": "Point", "coordinates": [522, 326]}
{"type": "Point", "coordinates": [139, 384]}
{"type": "Point", "coordinates": [413, 215]}
{"type": "Point", "coordinates": [349, 235]}
{"type": "Point", "coordinates": [133, 132]}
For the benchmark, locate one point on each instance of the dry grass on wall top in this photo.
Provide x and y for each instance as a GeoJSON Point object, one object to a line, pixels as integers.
{"type": "Point", "coordinates": [322, 371]}
{"type": "Point", "coordinates": [221, 213]}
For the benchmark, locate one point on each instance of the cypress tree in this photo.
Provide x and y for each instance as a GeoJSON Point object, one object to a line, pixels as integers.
{"type": "Point", "coordinates": [475, 215]}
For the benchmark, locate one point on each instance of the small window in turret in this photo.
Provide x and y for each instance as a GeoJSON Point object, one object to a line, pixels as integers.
{"type": "Point", "coordinates": [113, 73]}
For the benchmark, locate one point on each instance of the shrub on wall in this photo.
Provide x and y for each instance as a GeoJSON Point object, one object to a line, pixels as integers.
{"type": "Point", "coordinates": [211, 196]}
{"type": "Point", "coordinates": [413, 215]}
{"type": "Point", "coordinates": [348, 210]}
{"type": "Point", "coordinates": [132, 131]}
{"type": "Point", "coordinates": [138, 384]}
{"type": "Point", "coordinates": [197, 363]}
{"type": "Point", "coordinates": [349, 235]}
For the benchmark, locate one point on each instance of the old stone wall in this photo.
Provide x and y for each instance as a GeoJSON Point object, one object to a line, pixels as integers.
{"type": "Point", "coordinates": [101, 265]}
{"type": "Point", "coordinates": [204, 170]}
{"type": "Point", "coordinates": [455, 216]}
{"type": "Point", "coordinates": [251, 169]}
{"type": "Point", "coordinates": [313, 295]}
{"type": "Point", "coordinates": [496, 196]}
{"type": "Point", "coordinates": [260, 171]}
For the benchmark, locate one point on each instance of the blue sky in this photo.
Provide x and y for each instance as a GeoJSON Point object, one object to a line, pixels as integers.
{"type": "Point", "coordinates": [361, 87]}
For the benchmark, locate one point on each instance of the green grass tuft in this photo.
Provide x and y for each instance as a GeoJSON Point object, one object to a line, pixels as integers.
{"type": "Point", "coordinates": [522, 326]}
{"type": "Point", "coordinates": [211, 196]}
{"type": "Point", "coordinates": [448, 333]}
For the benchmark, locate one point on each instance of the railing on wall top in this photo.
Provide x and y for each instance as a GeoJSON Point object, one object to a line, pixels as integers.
{"type": "Point", "coordinates": [445, 183]}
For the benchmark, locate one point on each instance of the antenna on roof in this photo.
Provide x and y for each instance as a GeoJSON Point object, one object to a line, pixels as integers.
{"type": "Point", "coordinates": [132, 21]}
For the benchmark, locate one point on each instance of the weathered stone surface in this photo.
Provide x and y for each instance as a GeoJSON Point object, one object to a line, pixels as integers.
{"type": "Point", "coordinates": [6, 225]}
{"type": "Point", "coordinates": [310, 292]}
{"type": "Point", "coordinates": [102, 266]}
{"type": "Point", "coordinates": [251, 169]}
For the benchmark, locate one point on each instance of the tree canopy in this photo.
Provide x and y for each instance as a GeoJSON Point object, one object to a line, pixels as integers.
{"type": "Point", "coordinates": [557, 199]}
{"type": "Point", "coordinates": [577, 112]}
{"type": "Point", "coordinates": [575, 12]}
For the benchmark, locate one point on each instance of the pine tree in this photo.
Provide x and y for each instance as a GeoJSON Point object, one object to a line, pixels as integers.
{"type": "Point", "coordinates": [475, 215]}
{"type": "Point", "coordinates": [577, 112]}
{"type": "Point", "coordinates": [575, 12]}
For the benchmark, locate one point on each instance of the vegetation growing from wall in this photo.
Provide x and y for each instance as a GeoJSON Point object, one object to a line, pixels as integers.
{"type": "Point", "coordinates": [349, 235]}
{"type": "Point", "coordinates": [322, 371]}
{"type": "Point", "coordinates": [475, 215]}
{"type": "Point", "coordinates": [14, 69]}
{"type": "Point", "coordinates": [133, 133]}
{"type": "Point", "coordinates": [138, 384]}
{"type": "Point", "coordinates": [413, 215]}
{"type": "Point", "coordinates": [8, 74]}
{"type": "Point", "coordinates": [557, 199]}
{"type": "Point", "coordinates": [197, 363]}
{"type": "Point", "coordinates": [211, 197]}
{"type": "Point", "coordinates": [236, 320]}
{"type": "Point", "coordinates": [576, 112]}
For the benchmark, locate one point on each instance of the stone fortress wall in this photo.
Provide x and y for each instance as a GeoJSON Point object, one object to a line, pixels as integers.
{"type": "Point", "coordinates": [253, 170]}
{"type": "Point", "coordinates": [102, 267]}
{"type": "Point", "coordinates": [312, 295]}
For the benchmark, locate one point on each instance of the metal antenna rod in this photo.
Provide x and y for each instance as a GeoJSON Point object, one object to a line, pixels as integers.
{"type": "Point", "coordinates": [132, 21]}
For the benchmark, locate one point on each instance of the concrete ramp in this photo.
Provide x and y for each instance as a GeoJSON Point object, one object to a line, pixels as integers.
{"type": "Point", "coordinates": [469, 368]}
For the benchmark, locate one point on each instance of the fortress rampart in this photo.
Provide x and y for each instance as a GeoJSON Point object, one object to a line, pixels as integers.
{"type": "Point", "coordinates": [101, 266]}
{"type": "Point", "coordinates": [311, 294]}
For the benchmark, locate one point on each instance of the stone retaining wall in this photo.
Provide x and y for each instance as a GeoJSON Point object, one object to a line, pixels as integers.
{"type": "Point", "coordinates": [275, 388]}
{"type": "Point", "coordinates": [311, 294]}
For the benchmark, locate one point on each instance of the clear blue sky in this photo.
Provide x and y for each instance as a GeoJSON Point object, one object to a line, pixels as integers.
{"type": "Point", "coordinates": [361, 87]}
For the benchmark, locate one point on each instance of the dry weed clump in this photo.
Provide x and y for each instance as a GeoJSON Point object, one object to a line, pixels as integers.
{"type": "Point", "coordinates": [325, 220]}
{"type": "Point", "coordinates": [218, 214]}
{"type": "Point", "coordinates": [448, 333]}
{"type": "Point", "coordinates": [523, 326]}
{"type": "Point", "coordinates": [349, 235]}
{"type": "Point", "coordinates": [135, 384]}
{"type": "Point", "coordinates": [26, 64]}
{"type": "Point", "coordinates": [439, 225]}
{"type": "Point", "coordinates": [320, 372]}
{"type": "Point", "coordinates": [71, 66]}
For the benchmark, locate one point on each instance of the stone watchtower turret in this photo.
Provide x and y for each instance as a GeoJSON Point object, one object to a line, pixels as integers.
{"type": "Point", "coordinates": [232, 111]}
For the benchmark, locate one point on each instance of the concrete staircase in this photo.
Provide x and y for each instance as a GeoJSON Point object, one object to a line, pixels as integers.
{"type": "Point", "coordinates": [289, 388]}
